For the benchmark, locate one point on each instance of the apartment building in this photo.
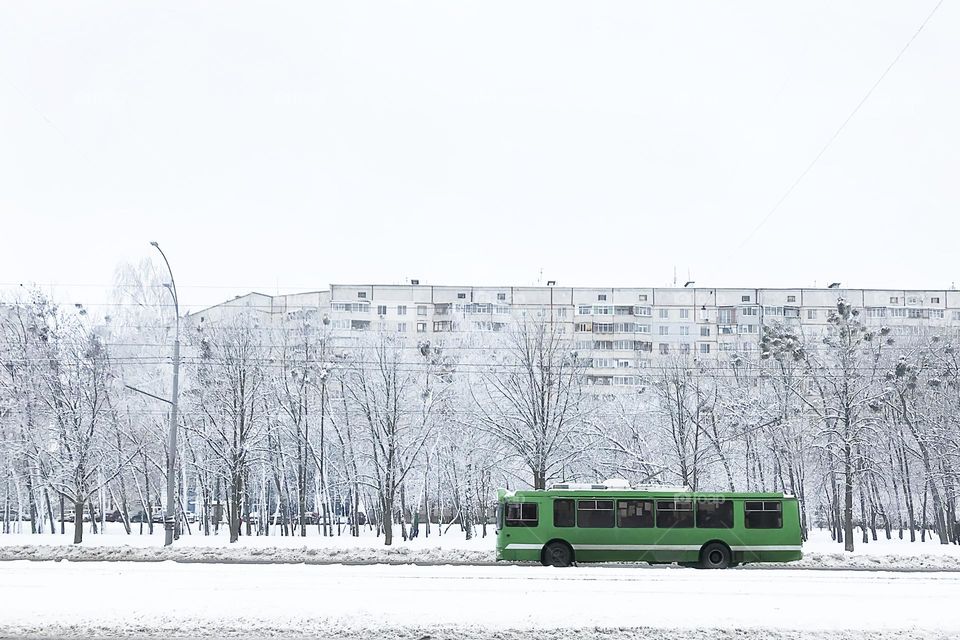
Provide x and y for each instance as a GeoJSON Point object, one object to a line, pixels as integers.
{"type": "Point", "coordinates": [620, 331]}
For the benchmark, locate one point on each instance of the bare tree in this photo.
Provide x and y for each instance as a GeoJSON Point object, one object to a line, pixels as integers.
{"type": "Point", "coordinates": [399, 402]}
{"type": "Point", "coordinates": [530, 397]}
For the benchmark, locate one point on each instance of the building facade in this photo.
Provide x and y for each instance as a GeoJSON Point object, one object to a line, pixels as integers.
{"type": "Point", "coordinates": [619, 331]}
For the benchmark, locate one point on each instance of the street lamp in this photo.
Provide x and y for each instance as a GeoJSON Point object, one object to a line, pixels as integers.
{"type": "Point", "coordinates": [170, 518]}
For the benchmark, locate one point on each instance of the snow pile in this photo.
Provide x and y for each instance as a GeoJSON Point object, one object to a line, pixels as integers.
{"type": "Point", "coordinates": [177, 627]}
{"type": "Point", "coordinates": [836, 560]}
{"type": "Point", "coordinates": [250, 555]}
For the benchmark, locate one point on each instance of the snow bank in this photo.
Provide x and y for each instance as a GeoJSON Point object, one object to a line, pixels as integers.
{"type": "Point", "coordinates": [253, 628]}
{"type": "Point", "coordinates": [249, 555]}
{"type": "Point", "coordinates": [452, 548]}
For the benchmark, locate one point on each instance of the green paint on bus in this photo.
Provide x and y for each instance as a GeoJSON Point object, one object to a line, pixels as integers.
{"type": "Point", "coordinates": [712, 530]}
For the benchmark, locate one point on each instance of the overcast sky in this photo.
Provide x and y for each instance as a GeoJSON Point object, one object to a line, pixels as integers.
{"type": "Point", "coordinates": [292, 145]}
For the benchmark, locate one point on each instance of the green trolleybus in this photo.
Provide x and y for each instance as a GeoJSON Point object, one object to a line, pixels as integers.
{"type": "Point", "coordinates": [613, 522]}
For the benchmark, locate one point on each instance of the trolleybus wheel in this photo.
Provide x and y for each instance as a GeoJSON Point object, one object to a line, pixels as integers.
{"type": "Point", "coordinates": [557, 554]}
{"type": "Point", "coordinates": [715, 556]}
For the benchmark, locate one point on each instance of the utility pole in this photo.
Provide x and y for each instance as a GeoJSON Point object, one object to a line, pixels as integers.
{"type": "Point", "coordinates": [170, 517]}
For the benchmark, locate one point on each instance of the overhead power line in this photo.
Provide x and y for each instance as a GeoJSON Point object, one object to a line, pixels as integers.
{"type": "Point", "coordinates": [842, 126]}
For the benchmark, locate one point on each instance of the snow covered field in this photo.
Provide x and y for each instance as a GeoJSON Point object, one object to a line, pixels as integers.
{"type": "Point", "coordinates": [222, 600]}
{"type": "Point", "coordinates": [819, 551]}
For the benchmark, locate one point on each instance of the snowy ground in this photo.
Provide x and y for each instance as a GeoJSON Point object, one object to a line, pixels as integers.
{"type": "Point", "coordinates": [819, 551]}
{"type": "Point", "coordinates": [95, 599]}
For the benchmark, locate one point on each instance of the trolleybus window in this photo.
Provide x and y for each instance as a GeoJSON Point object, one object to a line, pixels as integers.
{"type": "Point", "coordinates": [763, 515]}
{"type": "Point", "coordinates": [564, 514]}
{"type": "Point", "coordinates": [715, 514]}
{"type": "Point", "coordinates": [594, 513]}
{"type": "Point", "coordinates": [635, 513]}
{"type": "Point", "coordinates": [522, 514]}
{"type": "Point", "coordinates": [674, 514]}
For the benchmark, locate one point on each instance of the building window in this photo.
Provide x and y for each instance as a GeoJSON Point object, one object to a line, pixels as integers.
{"type": "Point", "coordinates": [623, 311]}
{"type": "Point", "coordinates": [402, 310]}
{"type": "Point", "coordinates": [361, 294]}
{"type": "Point", "coordinates": [748, 311]}
{"type": "Point", "coordinates": [642, 297]}
{"type": "Point", "coordinates": [811, 314]}
{"type": "Point", "coordinates": [894, 299]}
{"type": "Point", "coordinates": [715, 514]}
{"type": "Point", "coordinates": [664, 349]}
{"type": "Point", "coordinates": [643, 312]}
{"type": "Point", "coordinates": [501, 296]}
{"type": "Point", "coordinates": [522, 514]}
{"type": "Point", "coordinates": [584, 326]}
{"type": "Point", "coordinates": [684, 348]}
{"type": "Point", "coordinates": [791, 298]}
{"type": "Point", "coordinates": [584, 309]}
{"type": "Point", "coordinates": [664, 330]}
{"type": "Point", "coordinates": [602, 297]}
{"type": "Point", "coordinates": [664, 314]}
{"type": "Point", "coordinates": [705, 332]}
{"type": "Point", "coordinates": [595, 514]}
{"type": "Point", "coordinates": [914, 300]}
{"type": "Point", "coordinates": [898, 312]}
{"type": "Point", "coordinates": [603, 345]}
{"type": "Point", "coordinates": [401, 327]}
{"type": "Point", "coordinates": [674, 514]}
{"type": "Point", "coordinates": [381, 309]}
{"type": "Point", "coordinates": [602, 363]}
{"type": "Point", "coordinates": [763, 515]}
{"type": "Point", "coordinates": [461, 296]}
{"type": "Point", "coordinates": [353, 307]}
{"type": "Point", "coordinates": [936, 313]}
{"type": "Point", "coordinates": [421, 310]}
{"type": "Point", "coordinates": [421, 327]}
{"type": "Point", "coordinates": [684, 314]}
{"type": "Point", "coordinates": [704, 347]}
{"type": "Point", "coordinates": [635, 514]}
{"type": "Point", "coordinates": [340, 324]}
{"type": "Point", "coordinates": [744, 298]}
{"type": "Point", "coordinates": [876, 312]}
{"type": "Point", "coordinates": [684, 330]}
{"type": "Point", "coordinates": [934, 300]}
{"type": "Point", "coordinates": [748, 346]}
{"type": "Point", "coordinates": [643, 328]}
{"type": "Point", "coordinates": [726, 346]}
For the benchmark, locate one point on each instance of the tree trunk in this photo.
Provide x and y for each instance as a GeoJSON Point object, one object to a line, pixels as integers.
{"type": "Point", "coordinates": [847, 499]}
{"type": "Point", "coordinates": [78, 521]}
{"type": "Point", "coordinates": [386, 518]}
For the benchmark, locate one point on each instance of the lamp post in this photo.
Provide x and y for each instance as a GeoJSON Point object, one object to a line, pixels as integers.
{"type": "Point", "coordinates": [550, 284]}
{"type": "Point", "coordinates": [170, 518]}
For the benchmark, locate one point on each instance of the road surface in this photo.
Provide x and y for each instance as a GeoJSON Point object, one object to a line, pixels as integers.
{"type": "Point", "coordinates": [111, 599]}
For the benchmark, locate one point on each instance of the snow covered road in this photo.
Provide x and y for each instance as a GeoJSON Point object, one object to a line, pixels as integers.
{"type": "Point", "coordinates": [136, 599]}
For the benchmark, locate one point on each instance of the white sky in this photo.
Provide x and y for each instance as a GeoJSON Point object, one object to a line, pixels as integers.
{"type": "Point", "coordinates": [292, 145]}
